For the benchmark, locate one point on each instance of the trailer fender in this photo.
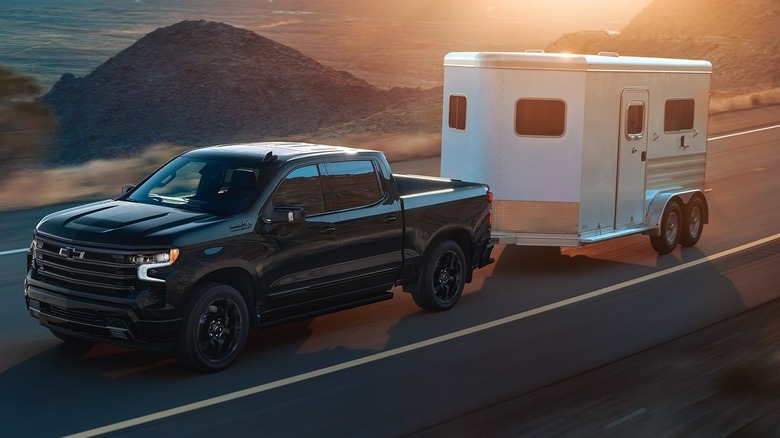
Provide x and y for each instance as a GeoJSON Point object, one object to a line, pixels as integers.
{"type": "Point", "coordinates": [658, 205]}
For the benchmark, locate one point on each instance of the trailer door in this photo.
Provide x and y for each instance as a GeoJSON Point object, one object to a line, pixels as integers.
{"type": "Point", "coordinates": [632, 156]}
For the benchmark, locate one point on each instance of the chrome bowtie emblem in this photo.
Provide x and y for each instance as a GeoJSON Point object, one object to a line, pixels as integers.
{"type": "Point", "coordinates": [70, 253]}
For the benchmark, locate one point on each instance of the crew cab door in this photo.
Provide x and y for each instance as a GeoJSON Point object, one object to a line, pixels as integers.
{"type": "Point", "coordinates": [369, 225]}
{"type": "Point", "coordinates": [302, 261]}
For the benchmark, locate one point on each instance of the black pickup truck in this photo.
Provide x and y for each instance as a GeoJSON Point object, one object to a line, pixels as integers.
{"type": "Point", "coordinates": [223, 240]}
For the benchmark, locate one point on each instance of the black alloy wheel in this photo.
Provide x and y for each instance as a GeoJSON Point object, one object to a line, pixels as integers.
{"type": "Point", "coordinates": [214, 329]}
{"type": "Point", "coordinates": [443, 278]}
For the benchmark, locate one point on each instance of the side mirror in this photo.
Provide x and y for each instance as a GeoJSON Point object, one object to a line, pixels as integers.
{"type": "Point", "coordinates": [286, 215]}
{"type": "Point", "coordinates": [126, 188]}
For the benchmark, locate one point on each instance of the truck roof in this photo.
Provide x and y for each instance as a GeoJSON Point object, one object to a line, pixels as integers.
{"type": "Point", "coordinates": [573, 62]}
{"type": "Point", "coordinates": [283, 151]}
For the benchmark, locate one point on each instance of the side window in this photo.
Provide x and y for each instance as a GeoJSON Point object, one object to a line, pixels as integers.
{"type": "Point", "coordinates": [635, 120]}
{"type": "Point", "coordinates": [354, 184]}
{"type": "Point", "coordinates": [301, 188]}
{"type": "Point", "coordinates": [457, 112]}
{"type": "Point", "coordinates": [540, 117]}
{"type": "Point", "coordinates": [678, 115]}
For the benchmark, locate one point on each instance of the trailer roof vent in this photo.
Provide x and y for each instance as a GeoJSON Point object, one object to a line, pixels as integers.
{"type": "Point", "coordinates": [612, 54]}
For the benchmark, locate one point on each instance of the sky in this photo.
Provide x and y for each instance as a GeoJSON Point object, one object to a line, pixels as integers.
{"type": "Point", "coordinates": [606, 11]}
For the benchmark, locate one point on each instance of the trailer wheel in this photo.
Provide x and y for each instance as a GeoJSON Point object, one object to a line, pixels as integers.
{"type": "Point", "coordinates": [692, 222]}
{"type": "Point", "coordinates": [670, 229]}
{"type": "Point", "coordinates": [443, 278]}
{"type": "Point", "coordinates": [214, 328]}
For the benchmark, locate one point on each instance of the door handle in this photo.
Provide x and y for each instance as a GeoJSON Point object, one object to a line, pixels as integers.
{"type": "Point", "coordinates": [389, 219]}
{"type": "Point", "coordinates": [327, 230]}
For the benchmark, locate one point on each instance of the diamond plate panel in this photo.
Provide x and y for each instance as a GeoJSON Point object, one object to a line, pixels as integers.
{"type": "Point", "coordinates": [536, 217]}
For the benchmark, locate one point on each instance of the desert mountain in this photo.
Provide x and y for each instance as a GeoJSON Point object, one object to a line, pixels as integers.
{"type": "Point", "coordinates": [198, 83]}
{"type": "Point", "coordinates": [739, 37]}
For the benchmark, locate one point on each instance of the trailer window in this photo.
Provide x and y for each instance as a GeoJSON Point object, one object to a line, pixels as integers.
{"type": "Point", "coordinates": [540, 117]}
{"type": "Point", "coordinates": [457, 114]}
{"type": "Point", "coordinates": [354, 184]}
{"type": "Point", "coordinates": [635, 120]}
{"type": "Point", "coordinates": [678, 115]}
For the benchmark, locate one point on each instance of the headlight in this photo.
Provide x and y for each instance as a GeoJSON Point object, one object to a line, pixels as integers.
{"type": "Point", "coordinates": [145, 262]}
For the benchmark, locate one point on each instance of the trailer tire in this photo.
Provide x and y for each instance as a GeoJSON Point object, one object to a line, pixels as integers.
{"type": "Point", "coordinates": [443, 277]}
{"type": "Point", "coordinates": [692, 222]}
{"type": "Point", "coordinates": [214, 328]}
{"type": "Point", "coordinates": [670, 229]}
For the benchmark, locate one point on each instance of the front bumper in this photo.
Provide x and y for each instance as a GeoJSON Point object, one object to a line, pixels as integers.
{"type": "Point", "coordinates": [113, 322]}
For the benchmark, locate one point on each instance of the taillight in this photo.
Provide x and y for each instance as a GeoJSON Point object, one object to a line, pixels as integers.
{"type": "Point", "coordinates": [490, 205]}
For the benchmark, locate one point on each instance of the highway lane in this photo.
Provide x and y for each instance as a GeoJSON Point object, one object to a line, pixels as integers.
{"type": "Point", "coordinates": [408, 392]}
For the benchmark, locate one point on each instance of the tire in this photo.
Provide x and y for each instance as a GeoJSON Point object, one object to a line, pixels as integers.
{"type": "Point", "coordinates": [670, 229]}
{"type": "Point", "coordinates": [443, 278]}
{"type": "Point", "coordinates": [692, 222]}
{"type": "Point", "coordinates": [214, 328]}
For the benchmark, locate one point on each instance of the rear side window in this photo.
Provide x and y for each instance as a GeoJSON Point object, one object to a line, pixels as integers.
{"type": "Point", "coordinates": [301, 188]}
{"type": "Point", "coordinates": [678, 115]}
{"type": "Point", "coordinates": [457, 112]}
{"type": "Point", "coordinates": [354, 184]}
{"type": "Point", "coordinates": [540, 117]}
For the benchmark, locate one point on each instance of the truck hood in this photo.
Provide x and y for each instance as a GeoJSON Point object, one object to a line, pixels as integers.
{"type": "Point", "coordinates": [122, 224]}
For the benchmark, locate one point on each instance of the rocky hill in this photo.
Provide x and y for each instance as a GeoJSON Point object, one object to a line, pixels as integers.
{"type": "Point", "coordinates": [198, 83]}
{"type": "Point", "coordinates": [739, 37]}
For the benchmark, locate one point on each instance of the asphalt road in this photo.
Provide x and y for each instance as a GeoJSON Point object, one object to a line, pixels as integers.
{"type": "Point", "coordinates": [532, 319]}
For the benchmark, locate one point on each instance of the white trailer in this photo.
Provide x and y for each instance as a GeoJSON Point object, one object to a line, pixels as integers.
{"type": "Point", "coordinates": [579, 149]}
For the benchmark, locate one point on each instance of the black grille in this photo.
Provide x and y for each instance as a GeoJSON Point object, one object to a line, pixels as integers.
{"type": "Point", "coordinates": [87, 269]}
{"type": "Point", "coordinates": [83, 316]}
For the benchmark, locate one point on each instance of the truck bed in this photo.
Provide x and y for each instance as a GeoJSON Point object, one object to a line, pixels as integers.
{"type": "Point", "coordinates": [415, 185]}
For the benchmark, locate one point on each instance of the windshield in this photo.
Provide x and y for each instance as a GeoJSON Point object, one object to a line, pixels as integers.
{"type": "Point", "coordinates": [205, 185]}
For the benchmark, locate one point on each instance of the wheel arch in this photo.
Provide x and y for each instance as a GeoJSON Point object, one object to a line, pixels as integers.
{"type": "Point", "coordinates": [657, 207]}
{"type": "Point", "coordinates": [462, 238]}
{"type": "Point", "coordinates": [240, 280]}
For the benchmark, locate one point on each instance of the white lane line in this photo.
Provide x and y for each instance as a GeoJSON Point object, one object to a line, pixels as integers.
{"type": "Point", "coordinates": [13, 251]}
{"type": "Point", "coordinates": [629, 417]}
{"type": "Point", "coordinates": [753, 131]}
{"type": "Point", "coordinates": [411, 347]}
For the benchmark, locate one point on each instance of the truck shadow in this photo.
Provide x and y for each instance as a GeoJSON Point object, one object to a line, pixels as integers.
{"type": "Point", "coordinates": [570, 335]}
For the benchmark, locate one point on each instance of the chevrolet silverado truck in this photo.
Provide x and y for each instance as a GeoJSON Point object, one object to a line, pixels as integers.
{"type": "Point", "coordinates": [227, 239]}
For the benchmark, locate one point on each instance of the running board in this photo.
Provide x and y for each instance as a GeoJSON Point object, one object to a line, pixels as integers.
{"type": "Point", "coordinates": [602, 236]}
{"type": "Point", "coordinates": [571, 240]}
{"type": "Point", "coordinates": [384, 296]}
